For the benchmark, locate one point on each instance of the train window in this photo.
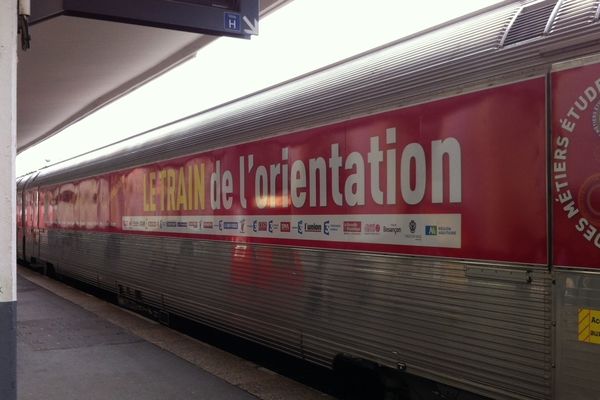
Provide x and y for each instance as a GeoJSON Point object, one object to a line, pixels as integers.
{"type": "Point", "coordinates": [531, 22]}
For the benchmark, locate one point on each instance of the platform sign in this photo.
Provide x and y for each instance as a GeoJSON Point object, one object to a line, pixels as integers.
{"type": "Point", "coordinates": [232, 22]}
{"type": "Point", "coordinates": [589, 326]}
{"type": "Point", "coordinates": [236, 18]}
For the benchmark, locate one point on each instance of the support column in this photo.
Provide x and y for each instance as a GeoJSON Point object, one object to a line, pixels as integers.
{"type": "Point", "coordinates": [8, 278]}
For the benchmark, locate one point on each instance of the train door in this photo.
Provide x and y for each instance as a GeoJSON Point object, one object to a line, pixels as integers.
{"type": "Point", "coordinates": [20, 215]}
{"type": "Point", "coordinates": [574, 176]}
{"type": "Point", "coordinates": [30, 229]}
{"type": "Point", "coordinates": [35, 237]}
{"type": "Point", "coordinates": [45, 215]}
{"type": "Point", "coordinates": [28, 199]}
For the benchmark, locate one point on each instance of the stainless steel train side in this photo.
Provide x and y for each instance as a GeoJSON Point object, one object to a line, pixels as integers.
{"type": "Point", "coordinates": [495, 328]}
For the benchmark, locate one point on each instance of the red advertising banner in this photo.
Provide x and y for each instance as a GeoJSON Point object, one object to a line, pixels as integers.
{"type": "Point", "coordinates": [575, 163]}
{"type": "Point", "coordinates": [462, 177]}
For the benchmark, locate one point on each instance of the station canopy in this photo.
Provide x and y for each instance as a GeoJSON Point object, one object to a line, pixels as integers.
{"type": "Point", "coordinates": [87, 53]}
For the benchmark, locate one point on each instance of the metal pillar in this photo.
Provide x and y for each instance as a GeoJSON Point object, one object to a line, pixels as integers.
{"type": "Point", "coordinates": [8, 278]}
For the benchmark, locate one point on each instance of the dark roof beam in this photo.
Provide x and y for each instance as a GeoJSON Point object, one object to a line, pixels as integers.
{"type": "Point", "coordinates": [235, 18]}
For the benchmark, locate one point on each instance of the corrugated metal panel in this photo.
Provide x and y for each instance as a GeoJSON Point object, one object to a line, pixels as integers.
{"type": "Point", "coordinates": [577, 363]}
{"type": "Point", "coordinates": [45, 253]}
{"type": "Point", "coordinates": [482, 327]}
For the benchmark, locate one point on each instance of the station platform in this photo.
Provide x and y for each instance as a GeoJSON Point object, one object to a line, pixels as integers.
{"type": "Point", "coordinates": [71, 345]}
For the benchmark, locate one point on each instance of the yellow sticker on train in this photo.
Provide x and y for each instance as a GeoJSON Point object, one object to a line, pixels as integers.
{"type": "Point", "coordinates": [589, 326]}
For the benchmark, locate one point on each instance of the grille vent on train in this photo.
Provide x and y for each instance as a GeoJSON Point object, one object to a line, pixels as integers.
{"type": "Point", "coordinates": [574, 14]}
{"type": "Point", "coordinates": [531, 22]}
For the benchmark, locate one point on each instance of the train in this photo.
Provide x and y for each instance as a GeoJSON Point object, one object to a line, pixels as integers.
{"type": "Point", "coordinates": [430, 206]}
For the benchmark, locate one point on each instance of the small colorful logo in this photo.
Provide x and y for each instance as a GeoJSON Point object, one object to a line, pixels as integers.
{"type": "Point", "coordinates": [352, 226]}
{"type": "Point", "coordinates": [285, 226]}
{"type": "Point", "coordinates": [372, 228]}
{"type": "Point", "coordinates": [431, 230]}
{"type": "Point", "coordinates": [230, 225]}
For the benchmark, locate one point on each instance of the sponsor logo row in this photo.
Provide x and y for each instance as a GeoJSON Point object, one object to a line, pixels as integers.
{"type": "Point", "coordinates": [301, 227]}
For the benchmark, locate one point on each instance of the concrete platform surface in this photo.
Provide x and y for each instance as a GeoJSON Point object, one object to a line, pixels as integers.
{"type": "Point", "coordinates": [71, 345]}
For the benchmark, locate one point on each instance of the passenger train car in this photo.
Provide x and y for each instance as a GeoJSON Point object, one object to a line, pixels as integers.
{"type": "Point", "coordinates": [431, 206]}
